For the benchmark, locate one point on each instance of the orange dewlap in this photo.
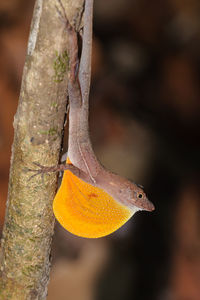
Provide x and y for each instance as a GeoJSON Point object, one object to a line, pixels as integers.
{"type": "Point", "coordinates": [87, 211]}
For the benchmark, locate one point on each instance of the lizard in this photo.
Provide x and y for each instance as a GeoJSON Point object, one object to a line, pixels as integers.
{"type": "Point", "coordinates": [92, 201]}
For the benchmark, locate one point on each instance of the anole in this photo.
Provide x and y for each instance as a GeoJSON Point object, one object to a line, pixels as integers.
{"type": "Point", "coordinates": [91, 202]}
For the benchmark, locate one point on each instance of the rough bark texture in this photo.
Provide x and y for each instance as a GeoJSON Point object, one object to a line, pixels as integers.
{"type": "Point", "coordinates": [38, 124]}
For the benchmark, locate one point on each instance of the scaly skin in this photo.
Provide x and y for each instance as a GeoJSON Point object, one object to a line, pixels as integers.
{"type": "Point", "coordinates": [91, 202]}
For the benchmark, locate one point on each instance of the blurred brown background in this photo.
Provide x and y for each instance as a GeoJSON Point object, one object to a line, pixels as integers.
{"type": "Point", "coordinates": [144, 121]}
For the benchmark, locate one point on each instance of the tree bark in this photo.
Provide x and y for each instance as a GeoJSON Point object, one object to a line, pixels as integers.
{"type": "Point", "coordinates": [38, 125]}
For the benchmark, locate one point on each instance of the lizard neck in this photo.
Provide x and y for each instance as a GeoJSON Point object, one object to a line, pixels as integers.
{"type": "Point", "coordinates": [80, 150]}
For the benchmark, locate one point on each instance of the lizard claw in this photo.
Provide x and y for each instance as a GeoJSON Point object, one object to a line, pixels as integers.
{"type": "Point", "coordinates": [46, 170]}
{"type": "Point", "coordinates": [42, 170]}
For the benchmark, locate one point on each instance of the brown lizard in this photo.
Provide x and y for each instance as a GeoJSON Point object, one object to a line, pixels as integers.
{"type": "Point", "coordinates": [91, 201]}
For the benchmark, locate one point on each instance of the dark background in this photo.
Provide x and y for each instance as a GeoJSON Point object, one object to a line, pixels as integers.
{"type": "Point", "coordinates": [144, 123]}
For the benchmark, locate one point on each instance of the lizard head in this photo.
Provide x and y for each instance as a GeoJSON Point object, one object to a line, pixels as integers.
{"type": "Point", "coordinates": [138, 198]}
{"type": "Point", "coordinates": [129, 194]}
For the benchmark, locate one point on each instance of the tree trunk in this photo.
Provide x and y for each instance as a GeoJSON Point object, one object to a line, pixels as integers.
{"type": "Point", "coordinates": [38, 125]}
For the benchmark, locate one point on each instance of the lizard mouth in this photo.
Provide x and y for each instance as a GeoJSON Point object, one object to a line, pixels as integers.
{"type": "Point", "coordinates": [144, 204]}
{"type": "Point", "coordinates": [150, 206]}
{"type": "Point", "coordinates": [147, 205]}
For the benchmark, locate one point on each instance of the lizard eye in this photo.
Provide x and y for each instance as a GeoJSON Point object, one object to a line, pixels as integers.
{"type": "Point", "coordinates": [140, 195]}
